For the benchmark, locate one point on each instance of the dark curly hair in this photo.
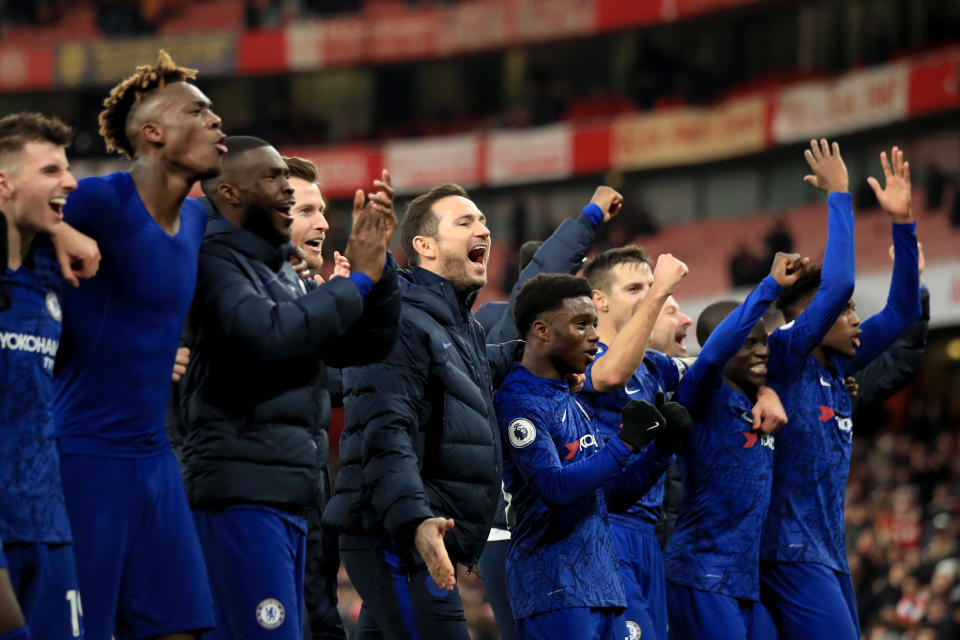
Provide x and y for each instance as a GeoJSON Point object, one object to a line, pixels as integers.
{"type": "Point", "coordinates": [800, 291]}
{"type": "Point", "coordinates": [132, 89]}
{"type": "Point", "coordinates": [544, 293]}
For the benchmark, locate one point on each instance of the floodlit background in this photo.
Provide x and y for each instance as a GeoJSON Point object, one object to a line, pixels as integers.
{"type": "Point", "coordinates": [697, 110]}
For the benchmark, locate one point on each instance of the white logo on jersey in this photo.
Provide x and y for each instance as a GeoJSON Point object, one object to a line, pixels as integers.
{"type": "Point", "coordinates": [824, 383]}
{"type": "Point", "coordinates": [53, 306]}
{"type": "Point", "coordinates": [521, 432]}
{"type": "Point", "coordinates": [633, 630]}
{"type": "Point", "coordinates": [31, 344]}
{"type": "Point", "coordinates": [845, 424]}
{"type": "Point", "coordinates": [588, 441]}
{"type": "Point", "coordinates": [270, 613]}
{"type": "Point", "coordinates": [766, 440]}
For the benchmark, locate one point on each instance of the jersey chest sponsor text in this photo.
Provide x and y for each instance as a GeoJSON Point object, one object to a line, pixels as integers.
{"type": "Point", "coordinates": [844, 424]}
{"type": "Point", "coordinates": [29, 343]}
{"type": "Point", "coordinates": [588, 441]}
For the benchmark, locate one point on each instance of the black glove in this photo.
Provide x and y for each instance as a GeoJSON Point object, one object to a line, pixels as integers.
{"type": "Point", "coordinates": [678, 425]}
{"type": "Point", "coordinates": [641, 424]}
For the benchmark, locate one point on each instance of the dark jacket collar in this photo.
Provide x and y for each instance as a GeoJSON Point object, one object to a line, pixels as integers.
{"type": "Point", "coordinates": [246, 242]}
{"type": "Point", "coordinates": [437, 295]}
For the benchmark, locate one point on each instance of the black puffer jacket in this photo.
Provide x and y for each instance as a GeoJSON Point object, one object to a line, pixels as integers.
{"type": "Point", "coordinates": [254, 399]}
{"type": "Point", "coordinates": [421, 436]}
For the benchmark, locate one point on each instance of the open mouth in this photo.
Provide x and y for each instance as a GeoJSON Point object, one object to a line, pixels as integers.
{"type": "Point", "coordinates": [856, 340]}
{"type": "Point", "coordinates": [759, 369]}
{"type": "Point", "coordinates": [315, 244]}
{"type": "Point", "coordinates": [219, 146]}
{"type": "Point", "coordinates": [57, 205]}
{"type": "Point", "coordinates": [680, 337]}
{"type": "Point", "coordinates": [478, 255]}
{"type": "Point", "coordinates": [283, 208]}
{"type": "Point", "coordinates": [592, 351]}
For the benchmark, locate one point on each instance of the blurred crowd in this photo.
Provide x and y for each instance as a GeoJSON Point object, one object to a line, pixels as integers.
{"type": "Point", "coordinates": [903, 525]}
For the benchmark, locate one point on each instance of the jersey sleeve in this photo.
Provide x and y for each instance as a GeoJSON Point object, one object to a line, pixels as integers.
{"type": "Point", "coordinates": [562, 252]}
{"type": "Point", "coordinates": [527, 435]}
{"type": "Point", "coordinates": [668, 369]}
{"type": "Point", "coordinates": [88, 206]}
{"type": "Point", "coordinates": [903, 300]}
{"type": "Point", "coordinates": [706, 373]}
{"type": "Point", "coordinates": [638, 478]}
{"type": "Point", "coordinates": [795, 340]}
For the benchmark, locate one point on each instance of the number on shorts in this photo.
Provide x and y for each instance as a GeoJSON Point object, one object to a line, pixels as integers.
{"type": "Point", "coordinates": [76, 611]}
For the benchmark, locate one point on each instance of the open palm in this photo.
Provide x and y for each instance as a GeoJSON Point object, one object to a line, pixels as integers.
{"type": "Point", "coordinates": [894, 197]}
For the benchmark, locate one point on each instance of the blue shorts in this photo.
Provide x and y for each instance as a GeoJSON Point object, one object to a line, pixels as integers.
{"type": "Point", "coordinates": [810, 601]}
{"type": "Point", "coordinates": [255, 557]}
{"type": "Point", "coordinates": [696, 614]}
{"type": "Point", "coordinates": [3, 558]}
{"type": "Point", "coordinates": [44, 579]}
{"type": "Point", "coordinates": [641, 569]}
{"type": "Point", "coordinates": [138, 557]}
{"type": "Point", "coordinates": [573, 624]}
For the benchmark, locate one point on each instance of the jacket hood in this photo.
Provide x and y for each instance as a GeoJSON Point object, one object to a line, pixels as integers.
{"type": "Point", "coordinates": [224, 233]}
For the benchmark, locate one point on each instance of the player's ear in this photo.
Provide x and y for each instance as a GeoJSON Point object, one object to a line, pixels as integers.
{"type": "Point", "coordinates": [6, 186]}
{"type": "Point", "coordinates": [600, 301]}
{"type": "Point", "coordinates": [542, 330]}
{"type": "Point", "coordinates": [426, 246]}
{"type": "Point", "coordinates": [229, 193]}
{"type": "Point", "coordinates": [152, 133]}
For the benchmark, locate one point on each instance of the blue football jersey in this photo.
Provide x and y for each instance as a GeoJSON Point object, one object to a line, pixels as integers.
{"type": "Point", "coordinates": [657, 372]}
{"type": "Point", "coordinates": [122, 328]}
{"type": "Point", "coordinates": [31, 498]}
{"type": "Point", "coordinates": [812, 459]}
{"type": "Point", "coordinates": [559, 556]}
{"type": "Point", "coordinates": [727, 468]}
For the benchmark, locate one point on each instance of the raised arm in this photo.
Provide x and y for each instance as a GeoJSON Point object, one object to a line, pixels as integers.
{"type": "Point", "coordinates": [903, 300]}
{"type": "Point", "coordinates": [625, 352]}
{"type": "Point", "coordinates": [562, 252]}
{"type": "Point", "coordinates": [800, 337]}
{"type": "Point", "coordinates": [706, 373]}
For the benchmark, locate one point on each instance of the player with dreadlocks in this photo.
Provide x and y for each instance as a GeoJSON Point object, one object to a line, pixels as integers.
{"type": "Point", "coordinates": [138, 557]}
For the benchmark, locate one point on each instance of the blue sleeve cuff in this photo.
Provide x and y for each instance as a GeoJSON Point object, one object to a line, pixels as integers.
{"type": "Point", "coordinates": [842, 199]}
{"type": "Point", "coordinates": [769, 288]}
{"type": "Point", "coordinates": [363, 281]}
{"type": "Point", "coordinates": [594, 213]}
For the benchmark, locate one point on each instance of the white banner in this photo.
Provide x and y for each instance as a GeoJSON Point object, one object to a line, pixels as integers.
{"type": "Point", "coordinates": [545, 153]}
{"type": "Point", "coordinates": [420, 164]}
{"type": "Point", "coordinates": [853, 102]}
